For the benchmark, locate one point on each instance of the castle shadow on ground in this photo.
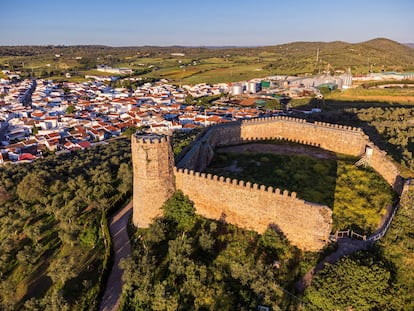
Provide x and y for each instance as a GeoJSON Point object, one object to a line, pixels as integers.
{"type": "Point", "coordinates": [307, 225]}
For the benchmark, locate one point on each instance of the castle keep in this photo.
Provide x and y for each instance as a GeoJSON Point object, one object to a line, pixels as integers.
{"type": "Point", "coordinates": [307, 225]}
{"type": "Point", "coordinates": [153, 164]}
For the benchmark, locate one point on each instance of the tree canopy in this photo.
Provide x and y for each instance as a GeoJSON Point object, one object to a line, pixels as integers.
{"type": "Point", "coordinates": [180, 210]}
{"type": "Point", "coordinates": [186, 262]}
{"type": "Point", "coordinates": [360, 282]}
{"type": "Point", "coordinates": [53, 236]}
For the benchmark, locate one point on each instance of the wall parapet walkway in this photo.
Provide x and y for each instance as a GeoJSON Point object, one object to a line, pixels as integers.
{"type": "Point", "coordinates": [307, 225]}
{"type": "Point", "coordinates": [333, 137]}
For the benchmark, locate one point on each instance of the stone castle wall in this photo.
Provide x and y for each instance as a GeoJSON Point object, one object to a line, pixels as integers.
{"type": "Point", "coordinates": [306, 225]}
{"type": "Point", "coordinates": [332, 137]}
{"type": "Point", "coordinates": [336, 138]}
{"type": "Point", "coordinates": [257, 207]}
{"type": "Point", "coordinates": [386, 168]}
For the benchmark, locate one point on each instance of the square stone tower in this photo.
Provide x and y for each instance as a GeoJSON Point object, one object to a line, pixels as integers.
{"type": "Point", "coordinates": [153, 165]}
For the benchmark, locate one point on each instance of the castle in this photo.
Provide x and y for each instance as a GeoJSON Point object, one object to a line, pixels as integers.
{"type": "Point", "coordinates": [306, 225]}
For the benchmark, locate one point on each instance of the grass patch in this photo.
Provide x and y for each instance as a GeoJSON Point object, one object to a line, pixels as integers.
{"type": "Point", "coordinates": [361, 198]}
{"type": "Point", "coordinates": [388, 95]}
{"type": "Point", "coordinates": [358, 196]}
{"type": "Point", "coordinates": [312, 179]}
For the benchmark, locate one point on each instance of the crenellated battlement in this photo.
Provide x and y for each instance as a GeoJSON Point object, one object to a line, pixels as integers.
{"type": "Point", "coordinates": [301, 121]}
{"type": "Point", "coordinates": [249, 205]}
{"type": "Point", "coordinates": [256, 207]}
{"type": "Point", "coordinates": [236, 183]}
{"type": "Point", "coordinates": [151, 138]}
{"type": "Point", "coordinates": [273, 119]}
{"type": "Point", "coordinates": [339, 127]}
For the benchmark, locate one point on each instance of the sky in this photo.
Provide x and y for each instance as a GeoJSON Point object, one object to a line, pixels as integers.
{"type": "Point", "coordinates": [202, 23]}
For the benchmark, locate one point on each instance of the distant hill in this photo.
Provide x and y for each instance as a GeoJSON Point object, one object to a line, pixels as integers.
{"type": "Point", "coordinates": [376, 55]}
{"type": "Point", "coordinates": [411, 45]}
{"type": "Point", "coordinates": [218, 63]}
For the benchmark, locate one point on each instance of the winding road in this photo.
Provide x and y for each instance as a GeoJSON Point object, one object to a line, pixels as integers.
{"type": "Point", "coordinates": [122, 248]}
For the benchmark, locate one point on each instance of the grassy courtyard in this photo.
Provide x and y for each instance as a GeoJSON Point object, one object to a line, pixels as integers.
{"type": "Point", "coordinates": [358, 196]}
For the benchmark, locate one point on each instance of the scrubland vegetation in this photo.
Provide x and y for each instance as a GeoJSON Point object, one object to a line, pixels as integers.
{"type": "Point", "coordinates": [187, 262]}
{"type": "Point", "coordinates": [378, 279]}
{"type": "Point", "coordinates": [54, 240]}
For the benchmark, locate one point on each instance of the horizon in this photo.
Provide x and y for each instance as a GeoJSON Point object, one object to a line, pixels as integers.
{"type": "Point", "coordinates": [198, 46]}
{"type": "Point", "coordinates": [214, 24]}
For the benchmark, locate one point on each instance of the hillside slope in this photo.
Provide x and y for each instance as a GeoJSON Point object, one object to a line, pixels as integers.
{"type": "Point", "coordinates": [375, 55]}
{"type": "Point", "coordinates": [212, 64]}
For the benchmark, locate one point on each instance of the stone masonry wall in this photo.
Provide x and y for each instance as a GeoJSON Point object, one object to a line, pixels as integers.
{"type": "Point", "coordinates": [386, 168]}
{"type": "Point", "coordinates": [332, 137]}
{"type": "Point", "coordinates": [336, 138]}
{"type": "Point", "coordinates": [255, 207]}
{"type": "Point", "coordinates": [306, 225]}
{"type": "Point", "coordinates": [202, 152]}
{"type": "Point", "coordinates": [153, 164]}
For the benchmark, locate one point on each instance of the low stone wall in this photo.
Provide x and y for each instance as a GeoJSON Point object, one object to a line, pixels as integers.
{"type": "Point", "coordinates": [255, 207]}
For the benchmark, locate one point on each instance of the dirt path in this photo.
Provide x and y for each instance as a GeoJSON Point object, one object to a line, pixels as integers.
{"type": "Point", "coordinates": [122, 248]}
{"type": "Point", "coordinates": [346, 247]}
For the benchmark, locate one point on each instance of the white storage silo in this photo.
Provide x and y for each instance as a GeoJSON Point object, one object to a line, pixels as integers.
{"type": "Point", "coordinates": [252, 87]}
{"type": "Point", "coordinates": [236, 89]}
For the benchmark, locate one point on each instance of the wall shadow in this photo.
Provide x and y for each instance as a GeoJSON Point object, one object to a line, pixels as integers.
{"type": "Point", "coordinates": [309, 171]}
{"type": "Point", "coordinates": [39, 282]}
{"type": "Point", "coordinates": [201, 151]}
{"type": "Point", "coordinates": [346, 113]}
{"type": "Point", "coordinates": [335, 104]}
{"type": "Point", "coordinates": [299, 175]}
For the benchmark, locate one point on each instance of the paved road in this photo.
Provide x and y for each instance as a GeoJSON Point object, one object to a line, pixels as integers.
{"type": "Point", "coordinates": [122, 249]}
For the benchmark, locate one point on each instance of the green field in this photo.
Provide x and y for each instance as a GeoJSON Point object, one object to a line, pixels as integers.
{"type": "Point", "coordinates": [207, 65]}
{"type": "Point", "coordinates": [391, 96]}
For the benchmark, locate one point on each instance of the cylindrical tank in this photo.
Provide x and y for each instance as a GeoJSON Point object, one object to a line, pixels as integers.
{"type": "Point", "coordinates": [236, 89]}
{"type": "Point", "coordinates": [347, 80]}
{"type": "Point", "coordinates": [251, 87]}
{"type": "Point", "coordinates": [153, 165]}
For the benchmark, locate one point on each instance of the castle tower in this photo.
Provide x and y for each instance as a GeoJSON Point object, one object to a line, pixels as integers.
{"type": "Point", "coordinates": [153, 164]}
